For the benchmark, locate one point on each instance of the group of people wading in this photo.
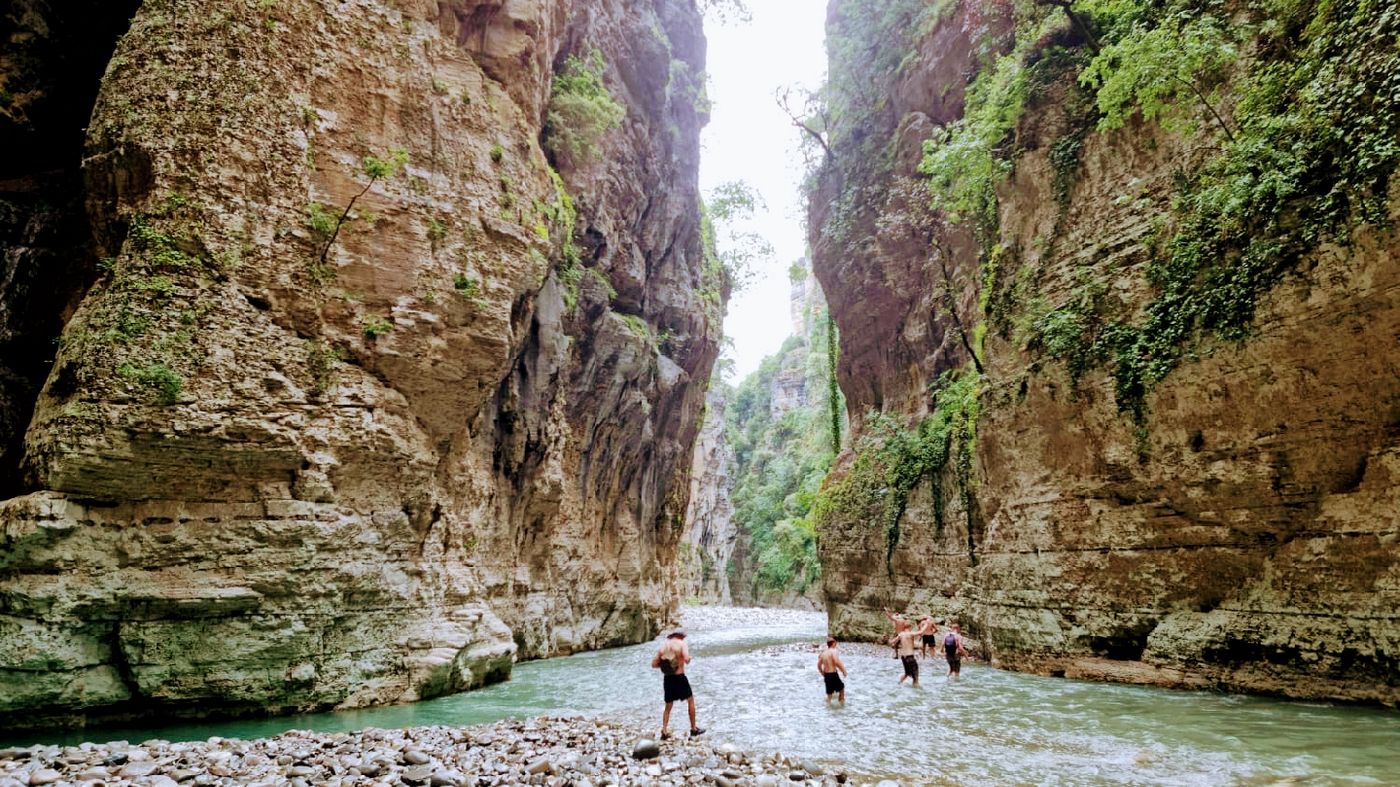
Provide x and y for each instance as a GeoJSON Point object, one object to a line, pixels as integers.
{"type": "Point", "coordinates": [926, 634]}
{"type": "Point", "coordinates": [673, 654]}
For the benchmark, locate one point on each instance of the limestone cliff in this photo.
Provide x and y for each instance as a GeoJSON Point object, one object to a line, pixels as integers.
{"type": "Point", "coordinates": [710, 530]}
{"type": "Point", "coordinates": [1227, 517]}
{"type": "Point", "coordinates": [386, 355]}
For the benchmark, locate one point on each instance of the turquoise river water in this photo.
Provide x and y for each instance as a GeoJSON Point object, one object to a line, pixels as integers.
{"type": "Point", "coordinates": [758, 688]}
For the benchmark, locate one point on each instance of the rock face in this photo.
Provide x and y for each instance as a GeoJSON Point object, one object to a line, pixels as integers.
{"type": "Point", "coordinates": [710, 530]}
{"type": "Point", "coordinates": [364, 401]}
{"type": "Point", "coordinates": [1245, 537]}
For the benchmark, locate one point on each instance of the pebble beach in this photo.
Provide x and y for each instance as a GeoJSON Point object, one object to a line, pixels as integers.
{"type": "Point", "coordinates": [544, 751]}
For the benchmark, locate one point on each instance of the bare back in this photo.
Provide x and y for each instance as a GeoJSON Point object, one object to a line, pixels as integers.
{"type": "Point", "coordinates": [676, 652]}
{"type": "Point", "coordinates": [828, 661]}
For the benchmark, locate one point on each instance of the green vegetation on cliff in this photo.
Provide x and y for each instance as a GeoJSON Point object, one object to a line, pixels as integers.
{"type": "Point", "coordinates": [778, 423]}
{"type": "Point", "coordinates": [891, 458]}
{"type": "Point", "coordinates": [1292, 97]}
{"type": "Point", "coordinates": [581, 110]}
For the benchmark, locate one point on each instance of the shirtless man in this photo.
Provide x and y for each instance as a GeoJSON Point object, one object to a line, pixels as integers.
{"type": "Point", "coordinates": [903, 643]}
{"type": "Point", "coordinates": [828, 664]}
{"type": "Point", "coordinates": [928, 636]}
{"type": "Point", "coordinates": [671, 659]}
{"type": "Point", "coordinates": [954, 650]}
{"type": "Point", "coordinates": [897, 619]}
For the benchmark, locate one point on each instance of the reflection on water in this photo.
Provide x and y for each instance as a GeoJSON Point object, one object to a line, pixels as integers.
{"type": "Point", "coordinates": [993, 726]}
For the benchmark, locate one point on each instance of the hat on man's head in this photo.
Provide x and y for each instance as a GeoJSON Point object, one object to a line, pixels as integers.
{"type": "Point", "coordinates": [677, 634]}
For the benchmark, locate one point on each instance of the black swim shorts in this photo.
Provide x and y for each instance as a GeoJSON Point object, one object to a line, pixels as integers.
{"type": "Point", "coordinates": [955, 665]}
{"type": "Point", "coordinates": [931, 639]}
{"type": "Point", "coordinates": [677, 687]}
{"type": "Point", "coordinates": [911, 667]}
{"type": "Point", "coordinates": [833, 682]}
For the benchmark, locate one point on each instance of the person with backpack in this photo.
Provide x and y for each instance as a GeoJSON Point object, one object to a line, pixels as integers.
{"type": "Point", "coordinates": [954, 650]}
{"type": "Point", "coordinates": [671, 659]}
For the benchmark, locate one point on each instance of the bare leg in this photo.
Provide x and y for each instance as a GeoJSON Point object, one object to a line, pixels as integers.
{"type": "Point", "coordinates": [666, 720]}
{"type": "Point", "coordinates": [690, 705]}
{"type": "Point", "coordinates": [843, 698]}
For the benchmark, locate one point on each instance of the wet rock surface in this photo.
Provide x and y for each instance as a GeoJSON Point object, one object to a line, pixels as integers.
{"type": "Point", "coordinates": [544, 751]}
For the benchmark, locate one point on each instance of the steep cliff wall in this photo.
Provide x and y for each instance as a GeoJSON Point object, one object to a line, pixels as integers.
{"type": "Point", "coordinates": [1096, 495]}
{"type": "Point", "coordinates": [365, 401]}
{"type": "Point", "coordinates": [710, 530]}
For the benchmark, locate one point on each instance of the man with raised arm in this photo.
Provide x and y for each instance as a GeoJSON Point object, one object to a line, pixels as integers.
{"type": "Point", "coordinates": [829, 664]}
{"type": "Point", "coordinates": [671, 659]}
{"type": "Point", "coordinates": [903, 643]}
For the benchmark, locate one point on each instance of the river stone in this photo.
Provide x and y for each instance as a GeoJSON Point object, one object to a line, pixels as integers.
{"type": "Point", "coordinates": [44, 776]}
{"type": "Point", "coordinates": [646, 749]}
{"type": "Point", "coordinates": [540, 766]}
{"type": "Point", "coordinates": [447, 779]}
{"type": "Point", "coordinates": [415, 757]}
{"type": "Point", "coordinates": [138, 769]}
{"type": "Point", "coordinates": [797, 776]}
{"type": "Point", "coordinates": [417, 774]}
{"type": "Point", "coordinates": [766, 780]}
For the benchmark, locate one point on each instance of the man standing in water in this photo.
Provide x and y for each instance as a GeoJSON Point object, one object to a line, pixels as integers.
{"type": "Point", "coordinates": [903, 643]}
{"type": "Point", "coordinates": [928, 636]}
{"type": "Point", "coordinates": [828, 664]}
{"type": "Point", "coordinates": [954, 650]}
{"type": "Point", "coordinates": [671, 659]}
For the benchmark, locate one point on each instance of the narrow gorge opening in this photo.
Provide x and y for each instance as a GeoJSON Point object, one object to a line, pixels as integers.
{"type": "Point", "coordinates": [56, 54]}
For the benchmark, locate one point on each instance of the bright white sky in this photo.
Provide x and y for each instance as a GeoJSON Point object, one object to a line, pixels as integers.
{"type": "Point", "coordinates": [750, 139]}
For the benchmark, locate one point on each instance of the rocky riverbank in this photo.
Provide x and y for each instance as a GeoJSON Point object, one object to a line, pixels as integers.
{"type": "Point", "coordinates": [543, 751]}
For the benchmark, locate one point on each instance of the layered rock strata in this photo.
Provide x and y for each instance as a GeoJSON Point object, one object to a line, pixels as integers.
{"type": "Point", "coordinates": [366, 401]}
{"type": "Point", "coordinates": [1244, 537]}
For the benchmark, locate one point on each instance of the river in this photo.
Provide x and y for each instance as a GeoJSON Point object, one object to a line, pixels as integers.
{"type": "Point", "coordinates": [754, 674]}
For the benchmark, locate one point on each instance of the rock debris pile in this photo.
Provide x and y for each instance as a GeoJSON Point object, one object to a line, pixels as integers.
{"type": "Point", "coordinates": [545, 751]}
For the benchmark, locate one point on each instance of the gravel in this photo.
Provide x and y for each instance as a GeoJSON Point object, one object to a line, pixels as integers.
{"type": "Point", "coordinates": [560, 752]}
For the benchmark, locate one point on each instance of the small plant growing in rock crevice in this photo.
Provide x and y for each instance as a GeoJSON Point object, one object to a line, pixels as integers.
{"type": "Point", "coordinates": [157, 377]}
{"type": "Point", "coordinates": [467, 287]}
{"type": "Point", "coordinates": [326, 225]}
{"type": "Point", "coordinates": [321, 362]}
{"type": "Point", "coordinates": [375, 326]}
{"type": "Point", "coordinates": [581, 109]}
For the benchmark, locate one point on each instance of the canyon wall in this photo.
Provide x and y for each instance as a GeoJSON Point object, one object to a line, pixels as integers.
{"type": "Point", "coordinates": [1234, 525]}
{"type": "Point", "coordinates": [382, 354]}
{"type": "Point", "coordinates": [711, 533]}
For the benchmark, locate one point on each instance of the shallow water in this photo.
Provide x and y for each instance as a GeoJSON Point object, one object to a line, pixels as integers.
{"type": "Point", "coordinates": [758, 691]}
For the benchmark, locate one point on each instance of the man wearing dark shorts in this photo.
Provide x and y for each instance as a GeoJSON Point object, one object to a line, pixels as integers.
{"type": "Point", "coordinates": [928, 636]}
{"type": "Point", "coordinates": [671, 659]}
{"type": "Point", "coordinates": [829, 665]}
{"type": "Point", "coordinates": [953, 649]}
{"type": "Point", "coordinates": [903, 643]}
